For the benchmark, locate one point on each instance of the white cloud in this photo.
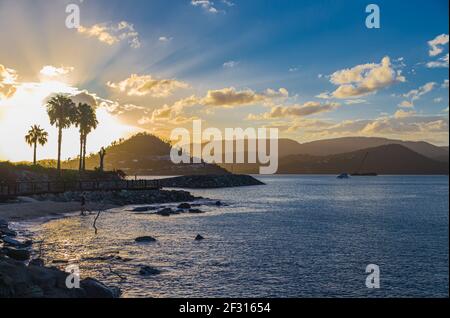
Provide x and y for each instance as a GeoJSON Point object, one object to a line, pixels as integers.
{"type": "Point", "coordinates": [52, 71]}
{"type": "Point", "coordinates": [298, 110]}
{"type": "Point", "coordinates": [445, 84]}
{"type": "Point", "coordinates": [230, 64]}
{"type": "Point", "coordinates": [440, 63]}
{"type": "Point", "coordinates": [436, 45]}
{"type": "Point", "coordinates": [8, 82]}
{"type": "Point", "coordinates": [205, 4]}
{"type": "Point", "coordinates": [363, 80]}
{"type": "Point", "coordinates": [113, 33]}
{"type": "Point", "coordinates": [416, 94]}
{"type": "Point", "coordinates": [165, 39]}
{"type": "Point", "coordinates": [142, 85]}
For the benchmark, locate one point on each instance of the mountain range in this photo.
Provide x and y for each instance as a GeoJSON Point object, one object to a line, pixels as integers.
{"type": "Point", "coordinates": [146, 154]}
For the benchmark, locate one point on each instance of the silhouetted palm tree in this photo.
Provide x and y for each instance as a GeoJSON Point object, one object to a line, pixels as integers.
{"type": "Point", "coordinates": [86, 121]}
{"type": "Point", "coordinates": [61, 111]}
{"type": "Point", "coordinates": [36, 135]}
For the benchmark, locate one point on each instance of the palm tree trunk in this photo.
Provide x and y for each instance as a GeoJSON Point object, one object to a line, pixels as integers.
{"type": "Point", "coordinates": [59, 148]}
{"type": "Point", "coordinates": [34, 153]}
{"type": "Point", "coordinates": [81, 153]}
{"type": "Point", "coordinates": [84, 152]}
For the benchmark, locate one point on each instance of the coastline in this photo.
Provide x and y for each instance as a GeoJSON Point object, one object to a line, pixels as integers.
{"type": "Point", "coordinates": [26, 211]}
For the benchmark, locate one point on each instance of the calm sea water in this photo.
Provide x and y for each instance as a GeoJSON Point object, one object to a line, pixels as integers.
{"type": "Point", "coordinates": [298, 236]}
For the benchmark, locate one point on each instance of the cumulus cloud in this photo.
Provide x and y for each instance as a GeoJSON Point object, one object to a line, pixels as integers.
{"type": "Point", "coordinates": [142, 85]}
{"type": "Point", "coordinates": [445, 84]}
{"type": "Point", "coordinates": [8, 82]}
{"type": "Point", "coordinates": [406, 125]}
{"type": "Point", "coordinates": [306, 109]}
{"type": "Point", "coordinates": [112, 33]}
{"type": "Point", "coordinates": [225, 98]}
{"type": "Point", "coordinates": [206, 5]}
{"type": "Point", "coordinates": [436, 45]}
{"type": "Point", "coordinates": [52, 71]}
{"type": "Point", "coordinates": [404, 113]}
{"type": "Point", "coordinates": [363, 79]}
{"type": "Point", "coordinates": [416, 94]}
{"type": "Point", "coordinates": [442, 62]}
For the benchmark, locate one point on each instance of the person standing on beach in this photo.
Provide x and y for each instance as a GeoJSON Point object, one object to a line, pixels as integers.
{"type": "Point", "coordinates": [83, 205]}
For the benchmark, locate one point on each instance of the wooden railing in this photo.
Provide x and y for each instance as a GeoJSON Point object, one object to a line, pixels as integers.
{"type": "Point", "coordinates": [44, 187]}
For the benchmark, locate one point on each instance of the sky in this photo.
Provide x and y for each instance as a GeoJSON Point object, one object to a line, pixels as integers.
{"type": "Point", "coordinates": [312, 69]}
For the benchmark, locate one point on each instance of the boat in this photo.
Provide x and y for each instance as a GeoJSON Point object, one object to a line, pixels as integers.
{"type": "Point", "coordinates": [343, 176]}
{"type": "Point", "coordinates": [364, 174]}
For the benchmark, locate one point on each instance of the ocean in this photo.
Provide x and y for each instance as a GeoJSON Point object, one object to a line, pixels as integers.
{"type": "Point", "coordinates": [297, 236]}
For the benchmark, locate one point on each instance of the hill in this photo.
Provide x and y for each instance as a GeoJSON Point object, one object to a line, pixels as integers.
{"type": "Point", "coordinates": [386, 159]}
{"type": "Point", "coordinates": [144, 154]}
{"type": "Point", "coordinates": [350, 144]}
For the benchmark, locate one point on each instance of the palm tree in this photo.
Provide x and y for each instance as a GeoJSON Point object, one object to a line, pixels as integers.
{"type": "Point", "coordinates": [86, 121]}
{"type": "Point", "coordinates": [36, 135]}
{"type": "Point", "coordinates": [61, 111]}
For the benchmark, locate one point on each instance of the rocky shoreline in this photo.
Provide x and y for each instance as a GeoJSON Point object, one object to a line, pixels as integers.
{"type": "Point", "coordinates": [121, 198]}
{"type": "Point", "coordinates": [210, 181]}
{"type": "Point", "coordinates": [22, 277]}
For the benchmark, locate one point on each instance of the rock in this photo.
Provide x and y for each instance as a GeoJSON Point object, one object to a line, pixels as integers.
{"type": "Point", "coordinates": [149, 271]}
{"type": "Point", "coordinates": [165, 212]}
{"type": "Point", "coordinates": [145, 239]}
{"type": "Point", "coordinates": [13, 242]}
{"type": "Point", "coordinates": [210, 181]}
{"type": "Point", "coordinates": [18, 281]}
{"type": "Point", "coordinates": [59, 261]}
{"type": "Point", "coordinates": [37, 262]}
{"type": "Point", "coordinates": [199, 238]}
{"type": "Point", "coordinates": [3, 224]}
{"type": "Point", "coordinates": [7, 232]}
{"type": "Point", "coordinates": [95, 289]}
{"type": "Point", "coordinates": [195, 211]}
{"type": "Point", "coordinates": [140, 209]}
{"type": "Point", "coordinates": [17, 254]}
{"type": "Point", "coordinates": [184, 206]}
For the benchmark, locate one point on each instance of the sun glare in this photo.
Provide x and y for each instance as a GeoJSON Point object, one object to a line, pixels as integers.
{"type": "Point", "coordinates": [27, 108]}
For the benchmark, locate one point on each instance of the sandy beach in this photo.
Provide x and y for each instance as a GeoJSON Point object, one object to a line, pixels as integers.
{"type": "Point", "coordinates": [30, 210]}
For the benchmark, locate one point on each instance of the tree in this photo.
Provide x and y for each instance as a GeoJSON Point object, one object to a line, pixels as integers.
{"type": "Point", "coordinates": [61, 111]}
{"type": "Point", "coordinates": [102, 155]}
{"type": "Point", "coordinates": [86, 121]}
{"type": "Point", "coordinates": [36, 135]}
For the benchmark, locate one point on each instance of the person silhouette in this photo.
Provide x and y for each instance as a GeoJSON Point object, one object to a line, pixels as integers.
{"type": "Point", "coordinates": [83, 205]}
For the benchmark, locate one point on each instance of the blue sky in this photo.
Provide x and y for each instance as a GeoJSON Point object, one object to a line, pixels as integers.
{"type": "Point", "coordinates": [283, 64]}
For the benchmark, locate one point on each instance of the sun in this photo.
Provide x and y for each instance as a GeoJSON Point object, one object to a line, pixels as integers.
{"type": "Point", "coordinates": [27, 107]}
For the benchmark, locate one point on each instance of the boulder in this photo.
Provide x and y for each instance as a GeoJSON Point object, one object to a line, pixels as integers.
{"type": "Point", "coordinates": [145, 239]}
{"type": "Point", "coordinates": [95, 289]}
{"type": "Point", "coordinates": [184, 206]}
{"type": "Point", "coordinates": [149, 271]}
{"type": "Point", "coordinates": [195, 211]}
{"type": "Point", "coordinates": [3, 224]}
{"type": "Point", "coordinates": [165, 212]}
{"type": "Point", "coordinates": [199, 238]}
{"type": "Point", "coordinates": [37, 262]}
{"type": "Point", "coordinates": [13, 242]}
{"type": "Point", "coordinates": [7, 232]}
{"type": "Point", "coordinates": [140, 209]}
{"type": "Point", "coordinates": [17, 254]}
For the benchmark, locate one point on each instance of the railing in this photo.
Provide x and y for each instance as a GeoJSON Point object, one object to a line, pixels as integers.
{"type": "Point", "coordinates": [44, 187]}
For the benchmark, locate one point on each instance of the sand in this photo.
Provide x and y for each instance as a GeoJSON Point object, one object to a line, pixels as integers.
{"type": "Point", "coordinates": [32, 210]}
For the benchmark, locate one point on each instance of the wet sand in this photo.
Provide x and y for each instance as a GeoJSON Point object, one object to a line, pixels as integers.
{"type": "Point", "coordinates": [31, 210]}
